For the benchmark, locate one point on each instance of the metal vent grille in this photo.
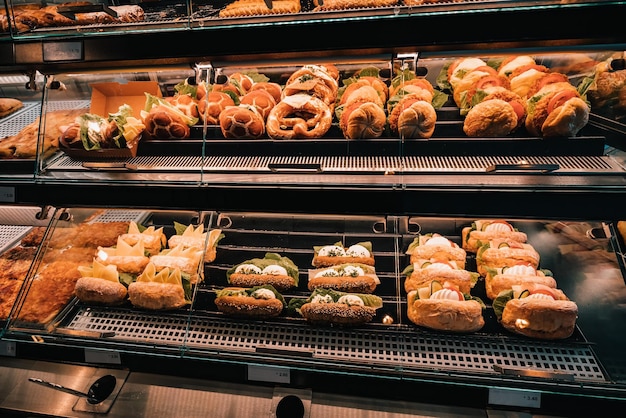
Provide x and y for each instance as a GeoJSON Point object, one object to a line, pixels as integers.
{"type": "Point", "coordinates": [10, 234]}
{"type": "Point", "coordinates": [406, 350]}
{"type": "Point", "coordinates": [115, 215]}
{"type": "Point", "coordinates": [355, 164]}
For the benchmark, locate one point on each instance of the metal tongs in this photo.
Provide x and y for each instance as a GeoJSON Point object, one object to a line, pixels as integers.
{"type": "Point", "coordinates": [98, 391]}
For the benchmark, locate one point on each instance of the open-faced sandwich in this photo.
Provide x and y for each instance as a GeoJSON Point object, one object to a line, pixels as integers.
{"type": "Point", "coordinates": [273, 269]}
{"type": "Point", "coordinates": [327, 306]}
{"type": "Point", "coordinates": [536, 311]}
{"type": "Point", "coordinates": [504, 278]}
{"type": "Point", "coordinates": [434, 245]}
{"type": "Point", "coordinates": [347, 277]}
{"type": "Point", "coordinates": [442, 306]}
{"type": "Point", "coordinates": [100, 284]}
{"type": "Point", "coordinates": [331, 255]}
{"type": "Point", "coordinates": [422, 272]}
{"type": "Point", "coordinates": [482, 231]}
{"type": "Point", "coordinates": [189, 236]}
{"type": "Point", "coordinates": [256, 302]}
{"type": "Point", "coordinates": [162, 290]}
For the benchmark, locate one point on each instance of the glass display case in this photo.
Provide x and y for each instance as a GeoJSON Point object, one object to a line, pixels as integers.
{"type": "Point", "coordinates": [120, 135]}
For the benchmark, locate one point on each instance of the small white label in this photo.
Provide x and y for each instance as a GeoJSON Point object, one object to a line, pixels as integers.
{"type": "Point", "coordinates": [269, 374]}
{"type": "Point", "coordinates": [7, 194]}
{"type": "Point", "coordinates": [7, 348]}
{"type": "Point", "coordinates": [102, 357]}
{"type": "Point", "coordinates": [515, 397]}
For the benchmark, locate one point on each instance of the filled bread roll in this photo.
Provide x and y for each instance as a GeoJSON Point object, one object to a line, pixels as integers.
{"type": "Point", "coordinates": [335, 254]}
{"type": "Point", "coordinates": [258, 302]}
{"type": "Point", "coordinates": [434, 245]}
{"type": "Point", "coordinates": [327, 306]}
{"type": "Point", "coordinates": [350, 278]}
{"type": "Point", "coordinates": [443, 307]}
{"type": "Point", "coordinates": [490, 119]}
{"type": "Point", "coordinates": [484, 230]}
{"type": "Point", "coordinates": [556, 110]}
{"type": "Point", "coordinates": [422, 272]}
{"type": "Point", "coordinates": [505, 253]}
{"type": "Point", "coordinates": [242, 122]}
{"type": "Point", "coordinates": [536, 311]}
{"type": "Point", "coordinates": [161, 290]}
{"type": "Point", "coordinates": [278, 271]}
{"type": "Point", "coordinates": [362, 120]}
{"type": "Point", "coordinates": [505, 278]}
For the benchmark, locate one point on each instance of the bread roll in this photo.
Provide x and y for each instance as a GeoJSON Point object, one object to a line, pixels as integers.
{"type": "Point", "coordinates": [101, 291]}
{"type": "Point", "coordinates": [436, 246]}
{"type": "Point", "coordinates": [504, 278]}
{"type": "Point", "coordinates": [335, 254]}
{"type": "Point", "coordinates": [484, 230]}
{"type": "Point", "coordinates": [326, 306]}
{"type": "Point", "coordinates": [362, 120]}
{"type": "Point", "coordinates": [278, 271]}
{"type": "Point", "coordinates": [505, 253]}
{"type": "Point", "coordinates": [444, 310]}
{"type": "Point", "coordinates": [156, 296]}
{"type": "Point", "coordinates": [490, 119]}
{"type": "Point", "coordinates": [536, 312]}
{"type": "Point", "coordinates": [260, 302]}
{"type": "Point", "coordinates": [349, 278]}
{"type": "Point", "coordinates": [423, 272]}
{"type": "Point", "coordinates": [241, 122]}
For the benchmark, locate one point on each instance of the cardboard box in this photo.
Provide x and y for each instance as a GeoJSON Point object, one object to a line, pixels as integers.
{"type": "Point", "coordinates": [108, 97]}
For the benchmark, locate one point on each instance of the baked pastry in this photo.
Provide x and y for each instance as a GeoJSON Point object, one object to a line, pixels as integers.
{"type": "Point", "coordinates": [410, 107]}
{"type": "Point", "coordinates": [242, 122]}
{"type": "Point", "coordinates": [190, 236]}
{"type": "Point", "coordinates": [351, 4]}
{"type": "Point", "coordinates": [261, 99]}
{"type": "Point", "coordinates": [128, 259]}
{"type": "Point", "coordinates": [460, 67]}
{"type": "Point", "coordinates": [163, 290]}
{"type": "Point", "coordinates": [490, 119]}
{"type": "Point", "coordinates": [164, 120]}
{"type": "Point", "coordinates": [436, 246]}
{"type": "Point", "coordinates": [327, 307]}
{"type": "Point", "coordinates": [154, 240]}
{"type": "Point", "coordinates": [556, 110]}
{"type": "Point", "coordinates": [348, 277]}
{"type": "Point", "coordinates": [442, 307]}
{"type": "Point", "coordinates": [186, 103]}
{"type": "Point", "coordinates": [9, 105]}
{"type": "Point", "coordinates": [100, 284]}
{"type": "Point", "coordinates": [536, 311]}
{"type": "Point", "coordinates": [362, 119]}
{"type": "Point", "coordinates": [272, 88]}
{"type": "Point", "coordinates": [422, 272]}
{"type": "Point", "coordinates": [505, 253]}
{"type": "Point", "coordinates": [273, 269]}
{"type": "Point", "coordinates": [212, 104]}
{"type": "Point", "coordinates": [188, 260]}
{"type": "Point", "coordinates": [25, 143]}
{"type": "Point", "coordinates": [299, 116]}
{"type": "Point", "coordinates": [504, 278]}
{"type": "Point", "coordinates": [241, 8]}
{"type": "Point", "coordinates": [258, 302]}
{"type": "Point", "coordinates": [484, 230]}
{"type": "Point", "coordinates": [332, 255]}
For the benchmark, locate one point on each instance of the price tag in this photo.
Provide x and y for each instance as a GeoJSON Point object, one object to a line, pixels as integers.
{"type": "Point", "coordinates": [63, 51]}
{"type": "Point", "coordinates": [269, 374]}
{"type": "Point", "coordinates": [7, 194]}
{"type": "Point", "coordinates": [7, 348]}
{"type": "Point", "coordinates": [515, 397]}
{"type": "Point", "coordinates": [102, 357]}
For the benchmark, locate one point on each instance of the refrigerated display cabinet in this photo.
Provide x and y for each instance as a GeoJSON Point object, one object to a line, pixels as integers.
{"type": "Point", "coordinates": [289, 196]}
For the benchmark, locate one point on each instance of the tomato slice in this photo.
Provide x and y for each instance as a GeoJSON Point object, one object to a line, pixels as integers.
{"type": "Point", "coordinates": [549, 79]}
{"type": "Point", "coordinates": [519, 109]}
{"type": "Point", "coordinates": [560, 98]}
{"type": "Point", "coordinates": [490, 81]}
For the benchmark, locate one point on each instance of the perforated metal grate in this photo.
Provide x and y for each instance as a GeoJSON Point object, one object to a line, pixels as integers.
{"type": "Point", "coordinates": [14, 123]}
{"type": "Point", "coordinates": [120, 215]}
{"type": "Point", "coordinates": [355, 164]}
{"type": "Point", "coordinates": [409, 351]}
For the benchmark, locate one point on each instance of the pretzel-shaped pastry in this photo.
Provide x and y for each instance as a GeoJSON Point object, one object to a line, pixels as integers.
{"type": "Point", "coordinates": [299, 116]}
